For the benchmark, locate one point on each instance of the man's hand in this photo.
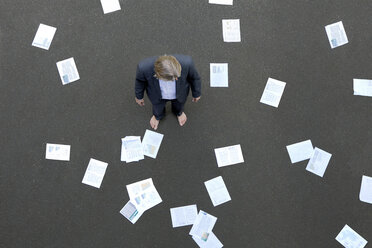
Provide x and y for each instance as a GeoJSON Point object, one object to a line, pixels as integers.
{"type": "Point", "coordinates": [195, 99]}
{"type": "Point", "coordinates": [140, 102]}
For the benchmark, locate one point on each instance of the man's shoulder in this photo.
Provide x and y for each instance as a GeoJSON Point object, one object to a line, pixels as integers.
{"type": "Point", "coordinates": [147, 62]}
{"type": "Point", "coordinates": [183, 59]}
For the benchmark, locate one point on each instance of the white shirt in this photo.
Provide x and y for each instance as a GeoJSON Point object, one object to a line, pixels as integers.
{"type": "Point", "coordinates": [168, 89]}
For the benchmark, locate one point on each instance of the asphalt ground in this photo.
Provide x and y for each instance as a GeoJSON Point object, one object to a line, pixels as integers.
{"type": "Point", "coordinates": [274, 203]}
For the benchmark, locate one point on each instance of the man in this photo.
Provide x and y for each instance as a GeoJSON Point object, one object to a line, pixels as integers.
{"type": "Point", "coordinates": [167, 78]}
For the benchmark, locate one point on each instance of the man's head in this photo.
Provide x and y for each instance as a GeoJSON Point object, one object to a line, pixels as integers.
{"type": "Point", "coordinates": [167, 68]}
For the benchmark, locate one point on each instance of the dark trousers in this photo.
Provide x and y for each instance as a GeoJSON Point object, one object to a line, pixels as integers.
{"type": "Point", "coordinates": [159, 109]}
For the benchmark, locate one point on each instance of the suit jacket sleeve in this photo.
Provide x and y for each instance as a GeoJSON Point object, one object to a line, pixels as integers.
{"type": "Point", "coordinates": [140, 84]}
{"type": "Point", "coordinates": [194, 79]}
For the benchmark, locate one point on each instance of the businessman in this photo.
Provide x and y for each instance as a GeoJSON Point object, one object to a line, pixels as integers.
{"type": "Point", "coordinates": [167, 78]}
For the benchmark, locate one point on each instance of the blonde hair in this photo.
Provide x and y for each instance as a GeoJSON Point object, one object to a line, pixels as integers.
{"type": "Point", "coordinates": [167, 67]}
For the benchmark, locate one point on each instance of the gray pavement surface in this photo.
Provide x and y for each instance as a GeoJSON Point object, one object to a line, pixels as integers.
{"type": "Point", "coordinates": [274, 203]}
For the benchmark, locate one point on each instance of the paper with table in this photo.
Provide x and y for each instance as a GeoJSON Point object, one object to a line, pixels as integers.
{"type": "Point", "coordinates": [336, 34]}
{"type": "Point", "coordinates": [219, 75]}
{"type": "Point", "coordinates": [350, 239]}
{"type": "Point", "coordinates": [143, 194]}
{"type": "Point", "coordinates": [109, 6]}
{"type": "Point", "coordinates": [229, 155]}
{"type": "Point", "coordinates": [68, 71]}
{"type": "Point", "coordinates": [183, 216]}
{"type": "Point", "coordinates": [217, 191]}
{"type": "Point", "coordinates": [365, 194]}
{"type": "Point", "coordinates": [57, 152]}
{"type": "Point", "coordinates": [362, 87]}
{"type": "Point", "coordinates": [95, 172]}
{"type": "Point", "coordinates": [151, 143]}
{"type": "Point", "coordinates": [273, 92]}
{"type": "Point", "coordinates": [212, 241]}
{"type": "Point", "coordinates": [131, 212]}
{"type": "Point", "coordinates": [222, 2]}
{"type": "Point", "coordinates": [203, 225]}
{"type": "Point", "coordinates": [131, 149]}
{"type": "Point", "coordinates": [44, 36]}
{"type": "Point", "coordinates": [231, 30]}
{"type": "Point", "coordinates": [300, 151]}
{"type": "Point", "coordinates": [318, 162]}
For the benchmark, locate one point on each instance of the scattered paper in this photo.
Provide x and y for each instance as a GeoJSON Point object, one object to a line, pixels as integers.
{"type": "Point", "coordinates": [223, 2]}
{"type": "Point", "coordinates": [318, 162]}
{"type": "Point", "coordinates": [57, 152]}
{"type": "Point", "coordinates": [95, 172]}
{"type": "Point", "coordinates": [229, 155]}
{"type": "Point", "coordinates": [131, 149]}
{"type": "Point", "coordinates": [183, 216]}
{"type": "Point", "coordinates": [350, 239]}
{"type": "Point", "coordinates": [217, 191]}
{"type": "Point", "coordinates": [212, 241]}
{"type": "Point", "coordinates": [130, 212]}
{"type": "Point", "coordinates": [109, 6]}
{"type": "Point", "coordinates": [336, 34]}
{"type": "Point", "coordinates": [231, 30]}
{"type": "Point", "coordinates": [138, 187]}
{"type": "Point", "coordinates": [273, 92]}
{"type": "Point", "coordinates": [362, 87]}
{"type": "Point", "coordinates": [300, 151]}
{"type": "Point", "coordinates": [143, 194]}
{"type": "Point", "coordinates": [203, 225]}
{"type": "Point", "coordinates": [151, 143]}
{"type": "Point", "coordinates": [147, 199]}
{"type": "Point", "coordinates": [365, 194]}
{"type": "Point", "coordinates": [219, 75]}
{"type": "Point", "coordinates": [44, 36]}
{"type": "Point", "coordinates": [68, 71]}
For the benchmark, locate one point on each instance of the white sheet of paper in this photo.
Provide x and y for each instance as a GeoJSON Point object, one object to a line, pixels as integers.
{"type": "Point", "coordinates": [217, 191]}
{"type": "Point", "coordinates": [131, 212]}
{"type": "Point", "coordinates": [44, 36]}
{"type": "Point", "coordinates": [203, 225]}
{"type": "Point", "coordinates": [300, 151]}
{"type": "Point", "coordinates": [136, 188]}
{"type": "Point", "coordinates": [68, 71]}
{"type": "Point", "coordinates": [273, 92]}
{"type": "Point", "coordinates": [362, 87]}
{"type": "Point", "coordinates": [365, 194]}
{"type": "Point", "coordinates": [336, 34]}
{"type": "Point", "coordinates": [222, 2]}
{"type": "Point", "coordinates": [151, 143]}
{"type": "Point", "coordinates": [350, 239]}
{"type": "Point", "coordinates": [123, 154]}
{"type": "Point", "coordinates": [131, 149]}
{"type": "Point", "coordinates": [147, 199]}
{"type": "Point", "coordinates": [183, 216]}
{"type": "Point", "coordinates": [229, 155]}
{"type": "Point", "coordinates": [318, 162]}
{"type": "Point", "coordinates": [219, 75]}
{"type": "Point", "coordinates": [57, 152]}
{"type": "Point", "coordinates": [95, 172]}
{"type": "Point", "coordinates": [109, 6]}
{"type": "Point", "coordinates": [144, 194]}
{"type": "Point", "coordinates": [231, 30]}
{"type": "Point", "coordinates": [212, 241]}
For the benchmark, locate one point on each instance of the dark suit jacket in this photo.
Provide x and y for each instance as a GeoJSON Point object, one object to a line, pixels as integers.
{"type": "Point", "coordinates": [145, 80]}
